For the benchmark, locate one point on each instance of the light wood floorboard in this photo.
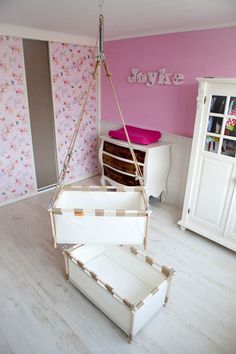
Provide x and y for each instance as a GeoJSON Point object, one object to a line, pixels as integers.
{"type": "Point", "coordinates": [41, 313]}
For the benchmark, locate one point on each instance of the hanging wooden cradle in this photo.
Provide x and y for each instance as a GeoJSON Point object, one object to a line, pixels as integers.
{"type": "Point", "coordinates": [99, 214]}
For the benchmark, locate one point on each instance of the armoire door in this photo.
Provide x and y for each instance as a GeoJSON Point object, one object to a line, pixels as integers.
{"type": "Point", "coordinates": [214, 173]}
{"type": "Point", "coordinates": [213, 191]}
{"type": "Point", "coordinates": [230, 230]}
{"type": "Point", "coordinates": [41, 111]}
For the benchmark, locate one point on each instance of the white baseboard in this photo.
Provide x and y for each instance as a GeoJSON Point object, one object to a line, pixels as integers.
{"type": "Point", "coordinates": [180, 155]}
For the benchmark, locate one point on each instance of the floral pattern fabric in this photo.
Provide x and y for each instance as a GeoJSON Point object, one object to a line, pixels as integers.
{"type": "Point", "coordinates": [17, 174]}
{"type": "Point", "coordinates": [71, 70]}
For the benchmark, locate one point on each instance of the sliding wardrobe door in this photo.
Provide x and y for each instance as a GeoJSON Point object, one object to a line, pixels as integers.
{"type": "Point", "coordinates": [71, 70]}
{"type": "Point", "coordinates": [41, 111]}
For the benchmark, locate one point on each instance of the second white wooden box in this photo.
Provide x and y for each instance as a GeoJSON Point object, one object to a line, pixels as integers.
{"type": "Point", "coordinates": [126, 285]}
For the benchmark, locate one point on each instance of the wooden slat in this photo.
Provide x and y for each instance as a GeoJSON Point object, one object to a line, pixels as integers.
{"type": "Point", "coordinates": [166, 271]}
{"type": "Point", "coordinates": [149, 260]}
{"type": "Point", "coordinates": [109, 288]}
{"type": "Point", "coordinates": [133, 250]}
{"type": "Point", "coordinates": [128, 304]}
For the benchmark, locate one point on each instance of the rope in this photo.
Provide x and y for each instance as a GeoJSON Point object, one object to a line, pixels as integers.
{"type": "Point", "coordinates": [68, 156]}
{"type": "Point", "coordinates": [72, 142]}
{"type": "Point", "coordinates": [100, 60]}
{"type": "Point", "coordinates": [100, 4]}
{"type": "Point", "coordinates": [137, 167]}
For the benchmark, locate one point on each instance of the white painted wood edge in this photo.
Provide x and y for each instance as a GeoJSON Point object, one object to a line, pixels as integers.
{"type": "Point", "coordinates": [44, 35]}
{"type": "Point", "coordinates": [216, 80]}
{"type": "Point", "coordinates": [172, 30]}
{"type": "Point", "coordinates": [202, 233]}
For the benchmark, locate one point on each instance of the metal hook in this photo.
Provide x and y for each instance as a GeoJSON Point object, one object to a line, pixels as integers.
{"type": "Point", "coordinates": [100, 4]}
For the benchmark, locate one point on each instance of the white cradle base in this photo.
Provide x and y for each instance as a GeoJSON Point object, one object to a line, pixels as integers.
{"type": "Point", "coordinates": [127, 287]}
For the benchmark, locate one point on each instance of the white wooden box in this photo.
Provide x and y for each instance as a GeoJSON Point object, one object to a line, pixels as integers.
{"type": "Point", "coordinates": [99, 215]}
{"type": "Point", "coordinates": [126, 285]}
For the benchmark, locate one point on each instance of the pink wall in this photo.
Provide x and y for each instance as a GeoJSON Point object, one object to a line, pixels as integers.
{"type": "Point", "coordinates": [167, 108]}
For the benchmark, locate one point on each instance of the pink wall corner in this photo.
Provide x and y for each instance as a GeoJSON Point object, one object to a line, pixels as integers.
{"type": "Point", "coordinates": [170, 109]}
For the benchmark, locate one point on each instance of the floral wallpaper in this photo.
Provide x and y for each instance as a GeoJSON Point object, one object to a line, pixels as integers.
{"type": "Point", "coordinates": [17, 175]}
{"type": "Point", "coordinates": [71, 68]}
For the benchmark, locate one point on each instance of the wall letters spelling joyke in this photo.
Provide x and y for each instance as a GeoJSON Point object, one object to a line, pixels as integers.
{"type": "Point", "coordinates": [150, 78]}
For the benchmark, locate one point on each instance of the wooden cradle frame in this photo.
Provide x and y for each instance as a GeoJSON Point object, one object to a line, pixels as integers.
{"type": "Point", "coordinates": [139, 313]}
{"type": "Point", "coordinates": [59, 214]}
{"type": "Point", "coordinates": [81, 226]}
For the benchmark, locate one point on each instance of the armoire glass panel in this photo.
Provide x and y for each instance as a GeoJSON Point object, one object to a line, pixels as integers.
{"type": "Point", "coordinates": [232, 106]}
{"type": "Point", "coordinates": [214, 125]}
{"type": "Point", "coordinates": [230, 127]}
{"type": "Point", "coordinates": [218, 104]}
{"type": "Point", "coordinates": [212, 144]}
{"type": "Point", "coordinates": [228, 148]}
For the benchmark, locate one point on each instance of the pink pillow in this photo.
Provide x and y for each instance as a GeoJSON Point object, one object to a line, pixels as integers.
{"type": "Point", "coordinates": [136, 135]}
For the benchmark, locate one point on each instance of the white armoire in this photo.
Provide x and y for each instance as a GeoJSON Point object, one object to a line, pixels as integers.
{"type": "Point", "coordinates": [210, 197]}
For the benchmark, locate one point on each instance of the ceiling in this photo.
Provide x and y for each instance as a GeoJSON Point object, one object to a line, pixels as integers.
{"type": "Point", "coordinates": [123, 18]}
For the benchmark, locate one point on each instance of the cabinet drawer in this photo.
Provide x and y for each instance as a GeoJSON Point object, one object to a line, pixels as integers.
{"type": "Point", "coordinates": [119, 177]}
{"type": "Point", "coordinates": [123, 152]}
{"type": "Point", "coordinates": [119, 164]}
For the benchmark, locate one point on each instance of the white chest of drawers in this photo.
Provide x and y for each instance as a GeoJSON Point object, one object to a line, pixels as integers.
{"type": "Point", "coordinates": [118, 167]}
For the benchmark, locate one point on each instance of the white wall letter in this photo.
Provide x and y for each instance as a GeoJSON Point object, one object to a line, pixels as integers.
{"type": "Point", "coordinates": [133, 77]}
{"type": "Point", "coordinates": [152, 76]}
{"type": "Point", "coordinates": [141, 78]}
{"type": "Point", "coordinates": [161, 79]}
{"type": "Point", "coordinates": [177, 79]}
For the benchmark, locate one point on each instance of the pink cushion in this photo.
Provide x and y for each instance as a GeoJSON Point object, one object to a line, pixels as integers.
{"type": "Point", "coordinates": [136, 135]}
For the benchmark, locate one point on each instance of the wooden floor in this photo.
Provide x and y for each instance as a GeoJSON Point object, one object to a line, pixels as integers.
{"type": "Point", "coordinates": [41, 313]}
